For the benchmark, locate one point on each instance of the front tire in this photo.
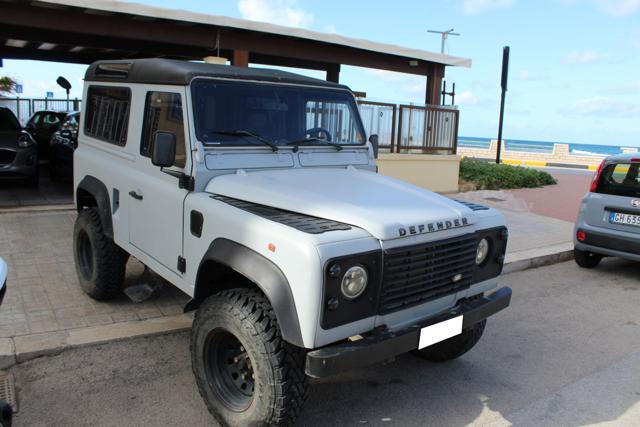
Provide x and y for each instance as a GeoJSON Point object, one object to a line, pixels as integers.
{"type": "Point", "coordinates": [100, 263]}
{"type": "Point", "coordinates": [586, 259]}
{"type": "Point", "coordinates": [453, 347]}
{"type": "Point", "coordinates": [246, 373]}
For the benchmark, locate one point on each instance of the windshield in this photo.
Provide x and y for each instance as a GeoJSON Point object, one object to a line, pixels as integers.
{"type": "Point", "coordinates": [226, 111]}
{"type": "Point", "coordinates": [7, 120]}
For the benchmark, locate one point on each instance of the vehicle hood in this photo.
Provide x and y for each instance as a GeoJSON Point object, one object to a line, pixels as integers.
{"type": "Point", "coordinates": [9, 138]}
{"type": "Point", "coordinates": [385, 207]}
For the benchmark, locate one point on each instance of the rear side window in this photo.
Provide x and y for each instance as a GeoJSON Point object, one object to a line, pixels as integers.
{"type": "Point", "coordinates": [620, 179]}
{"type": "Point", "coordinates": [107, 114]}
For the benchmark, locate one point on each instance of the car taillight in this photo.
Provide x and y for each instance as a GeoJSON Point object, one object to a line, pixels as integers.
{"type": "Point", "coordinates": [596, 178]}
{"type": "Point", "coordinates": [581, 235]}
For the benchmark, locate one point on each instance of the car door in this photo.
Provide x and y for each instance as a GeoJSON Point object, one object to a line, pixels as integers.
{"type": "Point", "coordinates": [155, 200]}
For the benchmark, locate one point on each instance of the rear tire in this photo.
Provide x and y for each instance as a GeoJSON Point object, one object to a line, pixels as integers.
{"type": "Point", "coordinates": [453, 347]}
{"type": "Point", "coordinates": [100, 263]}
{"type": "Point", "coordinates": [246, 373]}
{"type": "Point", "coordinates": [586, 259]}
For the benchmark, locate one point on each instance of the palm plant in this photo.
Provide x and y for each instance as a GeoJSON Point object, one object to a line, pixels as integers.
{"type": "Point", "coordinates": [7, 84]}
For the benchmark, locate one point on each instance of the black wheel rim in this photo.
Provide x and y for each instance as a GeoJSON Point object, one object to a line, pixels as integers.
{"type": "Point", "coordinates": [229, 370]}
{"type": "Point", "coordinates": [85, 255]}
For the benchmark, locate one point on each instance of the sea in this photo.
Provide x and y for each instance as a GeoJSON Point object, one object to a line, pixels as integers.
{"type": "Point", "coordinates": [541, 146]}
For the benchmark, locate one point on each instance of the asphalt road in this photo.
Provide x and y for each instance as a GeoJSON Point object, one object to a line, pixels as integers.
{"type": "Point", "coordinates": [567, 352]}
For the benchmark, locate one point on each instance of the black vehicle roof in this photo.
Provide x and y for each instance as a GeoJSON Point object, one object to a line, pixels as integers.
{"type": "Point", "coordinates": [175, 72]}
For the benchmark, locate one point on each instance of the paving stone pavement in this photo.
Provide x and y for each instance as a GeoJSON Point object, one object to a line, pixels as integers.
{"type": "Point", "coordinates": [43, 293]}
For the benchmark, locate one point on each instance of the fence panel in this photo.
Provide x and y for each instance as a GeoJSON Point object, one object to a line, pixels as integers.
{"type": "Point", "coordinates": [379, 118]}
{"type": "Point", "coordinates": [55, 104]}
{"type": "Point", "coordinates": [20, 107]}
{"type": "Point", "coordinates": [428, 129]}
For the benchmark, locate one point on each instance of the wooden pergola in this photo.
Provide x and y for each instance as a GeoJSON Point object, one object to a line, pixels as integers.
{"type": "Point", "coordinates": [80, 31]}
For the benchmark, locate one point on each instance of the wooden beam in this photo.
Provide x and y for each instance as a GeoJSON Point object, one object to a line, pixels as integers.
{"type": "Point", "coordinates": [434, 84]}
{"type": "Point", "coordinates": [240, 58]}
{"type": "Point", "coordinates": [333, 73]}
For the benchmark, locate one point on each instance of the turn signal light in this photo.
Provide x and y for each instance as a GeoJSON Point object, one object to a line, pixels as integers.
{"type": "Point", "coordinates": [581, 235]}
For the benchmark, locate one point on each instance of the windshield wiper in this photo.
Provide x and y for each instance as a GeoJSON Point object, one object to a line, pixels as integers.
{"type": "Point", "coordinates": [306, 141]}
{"type": "Point", "coordinates": [244, 134]}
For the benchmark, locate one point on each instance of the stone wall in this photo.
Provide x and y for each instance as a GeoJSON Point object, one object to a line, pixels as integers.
{"type": "Point", "coordinates": [560, 156]}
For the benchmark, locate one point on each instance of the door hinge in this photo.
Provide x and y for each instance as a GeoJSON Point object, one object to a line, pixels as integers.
{"type": "Point", "coordinates": [182, 264]}
{"type": "Point", "coordinates": [187, 182]}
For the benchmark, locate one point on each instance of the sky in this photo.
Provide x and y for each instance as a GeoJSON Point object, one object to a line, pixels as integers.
{"type": "Point", "coordinates": [573, 71]}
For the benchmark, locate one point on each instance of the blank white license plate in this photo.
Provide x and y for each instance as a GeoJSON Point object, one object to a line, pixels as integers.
{"type": "Point", "coordinates": [439, 332]}
{"type": "Point", "coordinates": [627, 219]}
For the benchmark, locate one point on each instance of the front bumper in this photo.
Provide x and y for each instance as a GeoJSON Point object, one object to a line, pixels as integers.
{"type": "Point", "coordinates": [382, 345]}
{"type": "Point", "coordinates": [24, 165]}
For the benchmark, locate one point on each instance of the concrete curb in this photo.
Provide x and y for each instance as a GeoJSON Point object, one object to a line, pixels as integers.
{"type": "Point", "coordinates": [37, 209]}
{"type": "Point", "coordinates": [26, 347]}
{"type": "Point", "coordinates": [533, 258]}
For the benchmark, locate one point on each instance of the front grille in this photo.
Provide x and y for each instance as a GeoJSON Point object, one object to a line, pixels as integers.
{"type": "Point", "coordinates": [7, 156]}
{"type": "Point", "coordinates": [416, 274]}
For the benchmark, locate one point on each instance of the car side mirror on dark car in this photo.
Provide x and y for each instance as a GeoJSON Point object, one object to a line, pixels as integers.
{"type": "Point", "coordinates": [163, 152]}
{"type": "Point", "coordinates": [373, 139]}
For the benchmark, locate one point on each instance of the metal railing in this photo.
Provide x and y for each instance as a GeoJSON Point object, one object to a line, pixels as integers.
{"type": "Point", "coordinates": [24, 108]}
{"type": "Point", "coordinates": [428, 129]}
{"type": "Point", "coordinates": [379, 118]}
{"type": "Point", "coordinates": [411, 128]}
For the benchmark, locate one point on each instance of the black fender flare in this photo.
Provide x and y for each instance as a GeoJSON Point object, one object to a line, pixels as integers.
{"type": "Point", "coordinates": [264, 274]}
{"type": "Point", "coordinates": [98, 190]}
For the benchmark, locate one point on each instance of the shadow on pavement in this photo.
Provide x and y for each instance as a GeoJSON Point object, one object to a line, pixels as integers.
{"type": "Point", "coordinates": [16, 193]}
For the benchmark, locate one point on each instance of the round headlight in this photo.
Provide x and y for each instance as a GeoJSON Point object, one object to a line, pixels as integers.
{"type": "Point", "coordinates": [354, 282]}
{"type": "Point", "coordinates": [482, 251]}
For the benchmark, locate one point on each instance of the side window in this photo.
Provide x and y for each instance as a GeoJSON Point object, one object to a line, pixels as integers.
{"type": "Point", "coordinates": [107, 116]}
{"type": "Point", "coordinates": [163, 112]}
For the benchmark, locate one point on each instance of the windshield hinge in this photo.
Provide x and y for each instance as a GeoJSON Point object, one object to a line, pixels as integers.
{"type": "Point", "coordinates": [187, 182]}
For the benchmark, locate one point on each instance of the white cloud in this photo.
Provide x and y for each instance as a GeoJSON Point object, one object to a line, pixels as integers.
{"type": "Point", "coordinates": [466, 98]}
{"type": "Point", "coordinates": [331, 29]}
{"type": "Point", "coordinates": [526, 74]}
{"type": "Point", "coordinates": [280, 12]}
{"type": "Point", "coordinates": [584, 57]}
{"type": "Point", "coordinates": [603, 106]}
{"type": "Point", "coordinates": [472, 7]}
{"type": "Point", "coordinates": [617, 8]}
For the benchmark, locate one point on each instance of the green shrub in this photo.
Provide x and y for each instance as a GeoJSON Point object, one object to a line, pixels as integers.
{"type": "Point", "coordinates": [490, 176]}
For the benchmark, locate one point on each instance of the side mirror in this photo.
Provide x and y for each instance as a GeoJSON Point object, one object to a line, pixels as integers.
{"type": "Point", "coordinates": [163, 152]}
{"type": "Point", "coordinates": [373, 139]}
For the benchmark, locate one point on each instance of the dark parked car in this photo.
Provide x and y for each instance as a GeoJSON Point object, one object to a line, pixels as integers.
{"type": "Point", "coordinates": [18, 150]}
{"type": "Point", "coordinates": [63, 143]}
{"type": "Point", "coordinates": [41, 126]}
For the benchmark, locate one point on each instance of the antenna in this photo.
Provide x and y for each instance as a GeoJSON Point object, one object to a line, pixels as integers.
{"type": "Point", "coordinates": [444, 35]}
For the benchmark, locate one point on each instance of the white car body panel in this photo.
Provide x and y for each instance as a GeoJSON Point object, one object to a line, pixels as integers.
{"type": "Point", "coordinates": [377, 203]}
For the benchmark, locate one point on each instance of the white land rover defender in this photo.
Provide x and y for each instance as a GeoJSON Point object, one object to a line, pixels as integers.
{"type": "Point", "coordinates": [255, 192]}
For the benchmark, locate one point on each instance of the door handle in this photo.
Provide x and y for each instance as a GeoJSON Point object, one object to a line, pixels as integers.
{"type": "Point", "coordinates": [135, 195]}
